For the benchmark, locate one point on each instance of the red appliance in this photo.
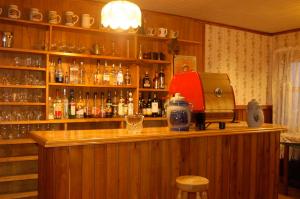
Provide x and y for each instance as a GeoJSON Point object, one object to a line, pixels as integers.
{"type": "Point", "coordinates": [210, 94]}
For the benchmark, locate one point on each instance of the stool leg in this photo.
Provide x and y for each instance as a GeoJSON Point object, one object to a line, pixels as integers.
{"type": "Point", "coordinates": [198, 195]}
{"type": "Point", "coordinates": [184, 195]}
{"type": "Point", "coordinates": [179, 194]}
{"type": "Point", "coordinates": [204, 195]}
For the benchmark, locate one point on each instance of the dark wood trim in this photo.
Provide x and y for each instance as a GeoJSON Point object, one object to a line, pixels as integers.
{"type": "Point", "coordinates": [285, 32]}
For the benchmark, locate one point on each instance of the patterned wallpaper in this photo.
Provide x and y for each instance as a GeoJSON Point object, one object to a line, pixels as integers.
{"type": "Point", "coordinates": [286, 40]}
{"type": "Point", "coordinates": [245, 57]}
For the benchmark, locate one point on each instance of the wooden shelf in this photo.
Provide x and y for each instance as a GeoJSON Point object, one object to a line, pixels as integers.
{"type": "Point", "coordinates": [21, 86]}
{"type": "Point", "coordinates": [150, 61]}
{"type": "Point", "coordinates": [92, 30]}
{"type": "Point", "coordinates": [16, 141]}
{"type": "Point", "coordinates": [19, 195]}
{"type": "Point", "coordinates": [18, 177]}
{"type": "Point", "coordinates": [22, 104]}
{"type": "Point", "coordinates": [18, 159]}
{"type": "Point", "coordinates": [153, 37]}
{"type": "Point", "coordinates": [86, 120]}
{"type": "Point", "coordinates": [25, 22]}
{"type": "Point", "coordinates": [155, 118]}
{"type": "Point", "coordinates": [67, 54]}
{"type": "Point", "coordinates": [91, 85]}
{"type": "Point", "coordinates": [26, 122]}
{"type": "Point", "coordinates": [153, 90]}
{"type": "Point", "coordinates": [190, 41]}
{"type": "Point", "coordinates": [23, 68]}
{"type": "Point", "coordinates": [22, 50]}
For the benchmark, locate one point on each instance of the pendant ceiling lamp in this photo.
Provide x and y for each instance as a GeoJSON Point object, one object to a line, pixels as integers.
{"type": "Point", "coordinates": [121, 14]}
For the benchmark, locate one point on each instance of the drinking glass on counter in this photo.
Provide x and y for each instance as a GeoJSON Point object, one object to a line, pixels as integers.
{"type": "Point", "coordinates": [134, 123]}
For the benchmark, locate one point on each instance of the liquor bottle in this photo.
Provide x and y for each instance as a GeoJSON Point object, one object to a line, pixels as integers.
{"type": "Point", "coordinates": [74, 71]}
{"type": "Point", "coordinates": [154, 106]}
{"type": "Point", "coordinates": [121, 105]}
{"type": "Point", "coordinates": [95, 108]}
{"type": "Point", "coordinates": [145, 107]}
{"type": "Point", "coordinates": [52, 71]}
{"type": "Point", "coordinates": [51, 109]}
{"type": "Point", "coordinates": [72, 105]}
{"type": "Point", "coordinates": [81, 73]}
{"type": "Point", "coordinates": [66, 105]}
{"type": "Point", "coordinates": [113, 76]}
{"type": "Point", "coordinates": [149, 108]}
{"type": "Point", "coordinates": [130, 104]}
{"type": "Point", "coordinates": [127, 77]}
{"type": "Point", "coordinates": [141, 103]}
{"type": "Point", "coordinates": [140, 52]}
{"type": "Point", "coordinates": [146, 81]}
{"type": "Point", "coordinates": [161, 79]}
{"type": "Point", "coordinates": [80, 107]}
{"type": "Point", "coordinates": [108, 111]}
{"type": "Point", "coordinates": [102, 106]}
{"type": "Point", "coordinates": [125, 107]}
{"type": "Point", "coordinates": [115, 105]}
{"type": "Point", "coordinates": [87, 107]}
{"type": "Point", "coordinates": [120, 76]}
{"type": "Point", "coordinates": [67, 78]}
{"type": "Point", "coordinates": [57, 105]}
{"type": "Point", "coordinates": [106, 75]}
{"type": "Point", "coordinates": [156, 82]}
{"type": "Point", "coordinates": [98, 75]}
{"type": "Point", "coordinates": [59, 74]}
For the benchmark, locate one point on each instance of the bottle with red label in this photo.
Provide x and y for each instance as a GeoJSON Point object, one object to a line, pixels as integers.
{"type": "Point", "coordinates": [57, 104]}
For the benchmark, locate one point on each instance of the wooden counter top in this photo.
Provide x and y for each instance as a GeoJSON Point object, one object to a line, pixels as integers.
{"type": "Point", "coordinates": [84, 137]}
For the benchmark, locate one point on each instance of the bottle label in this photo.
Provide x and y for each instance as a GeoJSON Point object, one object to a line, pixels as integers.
{"type": "Point", "coordinates": [121, 109]}
{"type": "Point", "coordinates": [120, 79]}
{"type": "Point", "coordinates": [154, 107]}
{"type": "Point", "coordinates": [147, 84]}
{"type": "Point", "coordinates": [58, 111]}
{"type": "Point", "coordinates": [73, 109]}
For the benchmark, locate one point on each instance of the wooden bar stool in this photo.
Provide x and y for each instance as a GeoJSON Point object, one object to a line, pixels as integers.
{"type": "Point", "coordinates": [194, 184]}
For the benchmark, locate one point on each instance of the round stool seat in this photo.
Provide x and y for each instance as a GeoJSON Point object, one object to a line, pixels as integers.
{"type": "Point", "coordinates": [192, 183]}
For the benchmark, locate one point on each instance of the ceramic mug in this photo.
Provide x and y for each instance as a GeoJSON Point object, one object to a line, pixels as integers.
{"type": "Point", "coordinates": [53, 17]}
{"type": "Point", "coordinates": [71, 18]}
{"type": "Point", "coordinates": [150, 31]}
{"type": "Point", "coordinates": [173, 34]}
{"type": "Point", "coordinates": [87, 21]}
{"type": "Point", "coordinates": [13, 12]}
{"type": "Point", "coordinates": [162, 32]}
{"type": "Point", "coordinates": [35, 15]}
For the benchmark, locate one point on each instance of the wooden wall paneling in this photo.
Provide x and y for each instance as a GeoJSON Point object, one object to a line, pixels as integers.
{"type": "Point", "coordinates": [77, 176]}
{"type": "Point", "coordinates": [101, 177]}
{"type": "Point", "coordinates": [225, 167]}
{"type": "Point", "coordinates": [134, 170]}
{"type": "Point", "coordinates": [124, 169]}
{"type": "Point", "coordinates": [112, 173]}
{"type": "Point", "coordinates": [88, 168]}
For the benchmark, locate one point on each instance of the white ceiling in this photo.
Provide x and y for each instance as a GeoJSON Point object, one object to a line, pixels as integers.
{"type": "Point", "coordinates": [263, 15]}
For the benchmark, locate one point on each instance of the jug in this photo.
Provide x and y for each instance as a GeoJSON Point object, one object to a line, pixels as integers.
{"type": "Point", "coordinates": [179, 113]}
{"type": "Point", "coordinates": [7, 39]}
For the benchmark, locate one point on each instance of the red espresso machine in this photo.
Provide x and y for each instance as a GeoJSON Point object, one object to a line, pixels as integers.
{"type": "Point", "coordinates": [210, 94]}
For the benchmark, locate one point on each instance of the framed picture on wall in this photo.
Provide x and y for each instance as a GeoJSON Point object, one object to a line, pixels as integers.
{"type": "Point", "coordinates": [184, 63]}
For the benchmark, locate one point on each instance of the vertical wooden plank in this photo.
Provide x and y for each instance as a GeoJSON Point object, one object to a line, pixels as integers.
{"type": "Point", "coordinates": [165, 169]}
{"type": "Point", "coordinates": [233, 167]}
{"type": "Point", "coordinates": [112, 171]}
{"type": "Point", "coordinates": [100, 171]}
{"type": "Point", "coordinates": [88, 174]}
{"type": "Point", "coordinates": [145, 171]}
{"type": "Point", "coordinates": [240, 169]}
{"type": "Point", "coordinates": [42, 173]}
{"type": "Point", "coordinates": [260, 166]}
{"type": "Point", "coordinates": [155, 180]}
{"type": "Point", "coordinates": [175, 156]}
{"type": "Point", "coordinates": [61, 173]}
{"type": "Point", "coordinates": [76, 170]}
{"type": "Point", "coordinates": [226, 167]}
{"type": "Point", "coordinates": [218, 168]}
{"type": "Point", "coordinates": [276, 170]}
{"type": "Point", "coordinates": [253, 171]}
{"type": "Point", "coordinates": [273, 165]}
{"type": "Point", "coordinates": [134, 171]}
{"type": "Point", "coordinates": [246, 167]}
{"type": "Point", "coordinates": [124, 169]}
{"type": "Point", "coordinates": [211, 159]}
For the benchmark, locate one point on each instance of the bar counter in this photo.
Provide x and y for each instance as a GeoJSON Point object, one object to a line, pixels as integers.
{"type": "Point", "coordinates": [240, 162]}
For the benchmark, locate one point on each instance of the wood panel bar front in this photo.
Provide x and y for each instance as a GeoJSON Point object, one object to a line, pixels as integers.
{"type": "Point", "coordinates": [239, 165]}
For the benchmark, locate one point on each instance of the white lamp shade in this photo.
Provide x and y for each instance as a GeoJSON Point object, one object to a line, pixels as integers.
{"type": "Point", "coordinates": [121, 14]}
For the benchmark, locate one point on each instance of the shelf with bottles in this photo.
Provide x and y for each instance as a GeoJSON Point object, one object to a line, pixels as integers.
{"type": "Point", "coordinates": [22, 68]}
{"type": "Point", "coordinates": [91, 105]}
{"type": "Point", "coordinates": [152, 105]}
{"type": "Point", "coordinates": [88, 73]}
{"type": "Point", "coordinates": [22, 104]}
{"type": "Point", "coordinates": [154, 78]}
{"type": "Point", "coordinates": [150, 61]}
{"type": "Point", "coordinates": [23, 50]}
{"type": "Point", "coordinates": [153, 90]}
